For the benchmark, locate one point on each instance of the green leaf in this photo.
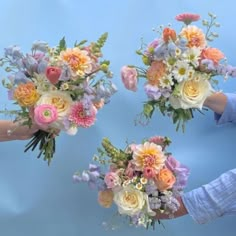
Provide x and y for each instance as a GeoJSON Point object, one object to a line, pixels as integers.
{"type": "Point", "coordinates": [148, 110]}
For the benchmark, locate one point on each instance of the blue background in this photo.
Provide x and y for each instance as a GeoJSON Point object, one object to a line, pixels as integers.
{"type": "Point", "coordinates": [39, 200]}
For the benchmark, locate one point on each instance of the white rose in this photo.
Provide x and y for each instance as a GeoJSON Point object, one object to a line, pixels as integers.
{"type": "Point", "coordinates": [61, 101]}
{"type": "Point", "coordinates": [131, 201]}
{"type": "Point", "coordinates": [192, 93]}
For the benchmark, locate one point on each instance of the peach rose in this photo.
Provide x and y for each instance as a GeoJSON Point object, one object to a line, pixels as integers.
{"type": "Point", "coordinates": [165, 179]}
{"type": "Point", "coordinates": [26, 94]}
{"type": "Point", "coordinates": [105, 198]}
{"type": "Point", "coordinates": [213, 54]}
{"type": "Point", "coordinates": [169, 34]}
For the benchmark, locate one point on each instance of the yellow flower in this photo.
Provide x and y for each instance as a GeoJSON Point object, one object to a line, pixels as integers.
{"type": "Point", "coordinates": [26, 94]}
{"type": "Point", "coordinates": [78, 60]}
{"type": "Point", "coordinates": [143, 180]}
{"type": "Point", "coordinates": [139, 186]}
{"type": "Point", "coordinates": [148, 155]}
{"type": "Point", "coordinates": [194, 35]}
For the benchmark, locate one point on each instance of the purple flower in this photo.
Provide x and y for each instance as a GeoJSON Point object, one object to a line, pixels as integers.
{"type": "Point", "coordinates": [161, 52]}
{"type": "Point", "coordinates": [14, 52]}
{"type": "Point", "coordinates": [209, 64]}
{"type": "Point", "coordinates": [30, 64]}
{"type": "Point", "coordinates": [65, 73]}
{"type": "Point", "coordinates": [181, 172]}
{"type": "Point", "coordinates": [40, 46]}
{"type": "Point", "coordinates": [152, 92]}
{"type": "Point", "coordinates": [90, 176]}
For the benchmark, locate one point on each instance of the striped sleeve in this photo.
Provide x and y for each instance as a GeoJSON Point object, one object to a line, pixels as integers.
{"type": "Point", "coordinates": [213, 200]}
{"type": "Point", "coordinates": [229, 114]}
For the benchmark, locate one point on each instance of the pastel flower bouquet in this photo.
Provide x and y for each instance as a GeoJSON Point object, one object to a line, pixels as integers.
{"type": "Point", "coordinates": [179, 69]}
{"type": "Point", "coordinates": [141, 180]}
{"type": "Point", "coordinates": [57, 88]}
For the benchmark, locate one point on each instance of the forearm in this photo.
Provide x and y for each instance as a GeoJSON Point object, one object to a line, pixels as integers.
{"type": "Point", "coordinates": [216, 102]}
{"type": "Point", "coordinates": [14, 131]}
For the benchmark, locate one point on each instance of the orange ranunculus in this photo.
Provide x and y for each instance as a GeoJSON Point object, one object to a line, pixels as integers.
{"type": "Point", "coordinates": [213, 54]}
{"type": "Point", "coordinates": [169, 34]}
{"type": "Point", "coordinates": [155, 72]}
{"type": "Point", "coordinates": [164, 179]}
{"type": "Point", "coordinates": [26, 94]}
{"type": "Point", "coordinates": [105, 198]}
{"type": "Point", "coordinates": [194, 35]}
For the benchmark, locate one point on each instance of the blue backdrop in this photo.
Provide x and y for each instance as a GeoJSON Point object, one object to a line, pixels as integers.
{"type": "Point", "coordinates": [39, 200]}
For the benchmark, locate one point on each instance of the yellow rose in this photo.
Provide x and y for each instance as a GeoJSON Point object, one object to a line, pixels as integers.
{"type": "Point", "coordinates": [192, 93]}
{"type": "Point", "coordinates": [105, 198]}
{"type": "Point", "coordinates": [131, 201]}
{"type": "Point", "coordinates": [26, 94]}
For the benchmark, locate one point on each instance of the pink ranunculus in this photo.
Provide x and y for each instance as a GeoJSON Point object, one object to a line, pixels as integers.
{"type": "Point", "coordinates": [129, 78]}
{"type": "Point", "coordinates": [45, 115]}
{"type": "Point", "coordinates": [149, 172]}
{"type": "Point", "coordinates": [112, 179]}
{"type": "Point", "coordinates": [53, 74]}
{"type": "Point", "coordinates": [187, 18]}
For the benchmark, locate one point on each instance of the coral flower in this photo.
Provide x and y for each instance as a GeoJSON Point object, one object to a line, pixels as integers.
{"type": "Point", "coordinates": [26, 94]}
{"type": "Point", "coordinates": [155, 72]}
{"type": "Point", "coordinates": [187, 18]}
{"type": "Point", "coordinates": [169, 34]}
{"type": "Point", "coordinates": [194, 35]}
{"type": "Point", "coordinates": [82, 117]}
{"type": "Point", "coordinates": [148, 155]}
{"type": "Point", "coordinates": [78, 60]}
{"type": "Point", "coordinates": [213, 54]}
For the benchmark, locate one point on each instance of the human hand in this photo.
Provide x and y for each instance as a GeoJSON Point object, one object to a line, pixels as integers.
{"type": "Point", "coordinates": [180, 212]}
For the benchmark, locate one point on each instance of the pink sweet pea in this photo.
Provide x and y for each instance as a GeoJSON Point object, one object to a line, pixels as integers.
{"type": "Point", "coordinates": [45, 114]}
{"type": "Point", "coordinates": [129, 78]}
{"type": "Point", "coordinates": [53, 74]}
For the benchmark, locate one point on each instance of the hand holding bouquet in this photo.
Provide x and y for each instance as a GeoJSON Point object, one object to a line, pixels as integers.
{"type": "Point", "coordinates": [57, 88]}
{"type": "Point", "coordinates": [179, 69]}
{"type": "Point", "coordinates": [141, 180]}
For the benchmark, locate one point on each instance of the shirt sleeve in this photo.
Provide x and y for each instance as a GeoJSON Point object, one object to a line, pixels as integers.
{"type": "Point", "coordinates": [213, 200]}
{"type": "Point", "coordinates": [229, 114]}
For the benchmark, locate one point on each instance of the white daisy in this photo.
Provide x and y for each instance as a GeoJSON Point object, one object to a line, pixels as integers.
{"type": "Point", "coordinates": [180, 71]}
{"type": "Point", "coordinates": [192, 55]}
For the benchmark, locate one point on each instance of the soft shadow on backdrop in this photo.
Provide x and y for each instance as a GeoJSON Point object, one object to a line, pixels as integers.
{"type": "Point", "coordinates": [39, 200]}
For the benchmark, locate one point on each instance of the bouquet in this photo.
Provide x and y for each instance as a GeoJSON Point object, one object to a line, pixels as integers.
{"type": "Point", "coordinates": [179, 69]}
{"type": "Point", "coordinates": [57, 88]}
{"type": "Point", "coordinates": [141, 180]}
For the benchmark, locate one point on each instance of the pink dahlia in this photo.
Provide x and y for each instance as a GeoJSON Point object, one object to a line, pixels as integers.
{"type": "Point", "coordinates": [81, 116]}
{"type": "Point", "coordinates": [187, 18]}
